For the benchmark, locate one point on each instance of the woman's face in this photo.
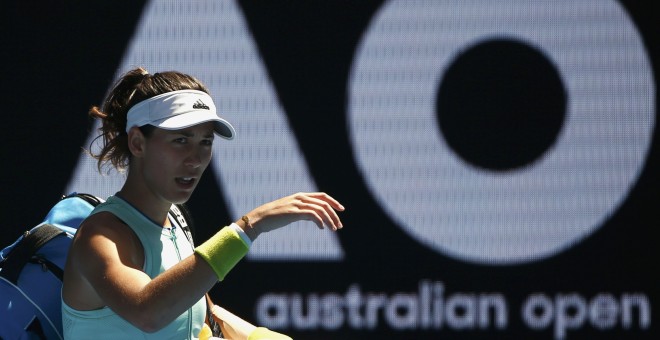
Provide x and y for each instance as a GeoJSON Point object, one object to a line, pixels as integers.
{"type": "Point", "coordinates": [174, 161]}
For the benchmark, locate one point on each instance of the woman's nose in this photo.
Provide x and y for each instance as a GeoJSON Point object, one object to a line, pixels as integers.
{"type": "Point", "coordinates": [194, 159]}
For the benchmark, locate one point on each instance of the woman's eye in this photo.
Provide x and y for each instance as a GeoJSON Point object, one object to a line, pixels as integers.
{"type": "Point", "coordinates": [181, 140]}
{"type": "Point", "coordinates": [207, 142]}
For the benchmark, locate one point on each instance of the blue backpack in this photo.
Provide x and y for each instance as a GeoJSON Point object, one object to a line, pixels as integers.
{"type": "Point", "coordinates": [32, 268]}
{"type": "Point", "coordinates": [31, 271]}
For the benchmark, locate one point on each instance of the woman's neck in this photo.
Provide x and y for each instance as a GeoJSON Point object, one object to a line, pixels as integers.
{"type": "Point", "coordinates": [145, 201]}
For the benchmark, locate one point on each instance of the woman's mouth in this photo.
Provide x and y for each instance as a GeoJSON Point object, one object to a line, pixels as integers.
{"type": "Point", "coordinates": [185, 181]}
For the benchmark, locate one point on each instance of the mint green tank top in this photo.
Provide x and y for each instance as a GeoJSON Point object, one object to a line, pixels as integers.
{"type": "Point", "coordinates": [163, 248]}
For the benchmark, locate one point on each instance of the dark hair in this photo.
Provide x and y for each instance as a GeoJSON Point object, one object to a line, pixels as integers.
{"type": "Point", "coordinates": [131, 88]}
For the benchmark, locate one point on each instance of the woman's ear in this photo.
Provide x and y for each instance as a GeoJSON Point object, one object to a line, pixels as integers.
{"type": "Point", "coordinates": [136, 141]}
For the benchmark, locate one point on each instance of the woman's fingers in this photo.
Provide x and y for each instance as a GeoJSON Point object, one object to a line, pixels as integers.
{"type": "Point", "coordinates": [317, 207]}
{"type": "Point", "coordinates": [324, 208]}
{"type": "Point", "coordinates": [327, 198]}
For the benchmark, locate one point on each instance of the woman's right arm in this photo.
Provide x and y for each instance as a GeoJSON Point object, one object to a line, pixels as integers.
{"type": "Point", "coordinates": [106, 260]}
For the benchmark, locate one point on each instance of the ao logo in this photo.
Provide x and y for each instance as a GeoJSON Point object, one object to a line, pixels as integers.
{"type": "Point", "coordinates": [445, 203]}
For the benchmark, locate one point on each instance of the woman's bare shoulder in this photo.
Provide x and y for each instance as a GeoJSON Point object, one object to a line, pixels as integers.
{"type": "Point", "coordinates": [104, 234]}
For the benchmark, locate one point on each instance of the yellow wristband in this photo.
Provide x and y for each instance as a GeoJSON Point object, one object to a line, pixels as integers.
{"type": "Point", "coordinates": [223, 251]}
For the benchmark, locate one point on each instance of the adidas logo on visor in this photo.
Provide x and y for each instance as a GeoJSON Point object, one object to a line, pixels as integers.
{"type": "Point", "coordinates": [199, 104]}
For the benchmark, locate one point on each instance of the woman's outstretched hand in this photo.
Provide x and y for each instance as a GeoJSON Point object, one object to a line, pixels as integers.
{"type": "Point", "coordinates": [317, 207]}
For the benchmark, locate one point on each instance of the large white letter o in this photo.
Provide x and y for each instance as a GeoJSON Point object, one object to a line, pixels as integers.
{"type": "Point", "coordinates": [531, 212]}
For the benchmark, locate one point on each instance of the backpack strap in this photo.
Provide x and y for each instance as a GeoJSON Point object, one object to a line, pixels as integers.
{"type": "Point", "coordinates": [181, 214]}
{"type": "Point", "coordinates": [26, 249]}
{"type": "Point", "coordinates": [91, 199]}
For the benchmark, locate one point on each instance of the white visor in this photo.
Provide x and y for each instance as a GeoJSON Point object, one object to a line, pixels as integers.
{"type": "Point", "coordinates": [178, 110]}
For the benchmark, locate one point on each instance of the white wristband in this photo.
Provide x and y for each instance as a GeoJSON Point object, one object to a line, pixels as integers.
{"type": "Point", "coordinates": [242, 234]}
